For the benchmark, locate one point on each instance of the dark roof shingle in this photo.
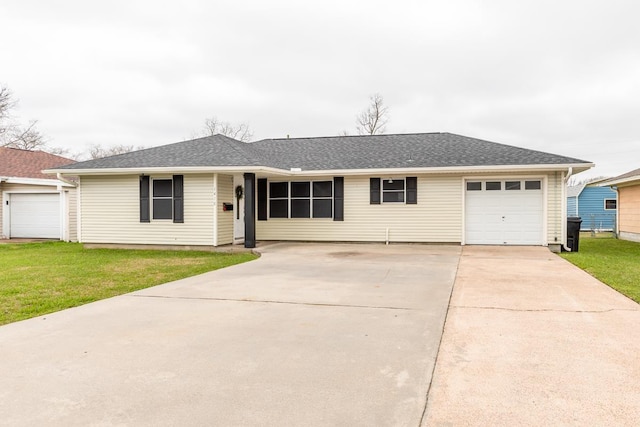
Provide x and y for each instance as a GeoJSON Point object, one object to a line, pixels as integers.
{"type": "Point", "coordinates": [425, 150]}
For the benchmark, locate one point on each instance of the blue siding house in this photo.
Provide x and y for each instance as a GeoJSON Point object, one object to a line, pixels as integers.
{"type": "Point", "coordinates": [597, 206]}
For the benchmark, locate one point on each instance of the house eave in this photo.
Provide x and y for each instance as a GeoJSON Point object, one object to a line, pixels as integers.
{"type": "Point", "coordinates": [167, 169]}
{"type": "Point", "coordinates": [264, 170]}
{"type": "Point", "coordinates": [33, 181]}
{"type": "Point", "coordinates": [628, 180]}
{"type": "Point", "coordinates": [446, 170]}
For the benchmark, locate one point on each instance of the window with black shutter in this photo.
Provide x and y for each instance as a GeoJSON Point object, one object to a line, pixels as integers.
{"type": "Point", "coordinates": [162, 198]}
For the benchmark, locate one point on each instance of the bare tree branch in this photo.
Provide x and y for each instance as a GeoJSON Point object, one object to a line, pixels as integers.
{"type": "Point", "coordinates": [11, 133]}
{"type": "Point", "coordinates": [241, 132]}
{"type": "Point", "coordinates": [97, 151]}
{"type": "Point", "coordinates": [28, 138]}
{"type": "Point", "coordinates": [373, 120]}
{"type": "Point", "coordinates": [6, 105]}
{"type": "Point", "coordinates": [577, 180]}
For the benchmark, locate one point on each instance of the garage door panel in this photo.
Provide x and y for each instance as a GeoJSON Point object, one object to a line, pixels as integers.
{"type": "Point", "coordinates": [35, 215]}
{"type": "Point", "coordinates": [504, 217]}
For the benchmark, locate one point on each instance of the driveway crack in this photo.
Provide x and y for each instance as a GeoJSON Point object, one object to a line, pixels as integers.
{"type": "Point", "coordinates": [276, 302]}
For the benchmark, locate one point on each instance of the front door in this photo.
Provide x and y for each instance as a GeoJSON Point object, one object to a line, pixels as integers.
{"type": "Point", "coordinates": [238, 208]}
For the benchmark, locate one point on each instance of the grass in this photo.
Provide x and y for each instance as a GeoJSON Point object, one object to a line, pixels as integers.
{"type": "Point", "coordinates": [612, 261]}
{"type": "Point", "coordinates": [40, 278]}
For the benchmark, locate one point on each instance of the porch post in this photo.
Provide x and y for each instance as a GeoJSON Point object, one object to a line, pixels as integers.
{"type": "Point", "coordinates": [249, 210]}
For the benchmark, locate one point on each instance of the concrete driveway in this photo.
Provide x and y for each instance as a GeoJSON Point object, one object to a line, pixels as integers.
{"type": "Point", "coordinates": [309, 334]}
{"type": "Point", "coordinates": [531, 340]}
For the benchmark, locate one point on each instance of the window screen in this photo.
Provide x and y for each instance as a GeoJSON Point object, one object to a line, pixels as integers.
{"type": "Point", "coordinates": [162, 199]}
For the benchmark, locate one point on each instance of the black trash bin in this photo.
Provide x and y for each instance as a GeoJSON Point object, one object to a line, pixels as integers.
{"type": "Point", "coordinates": [573, 233]}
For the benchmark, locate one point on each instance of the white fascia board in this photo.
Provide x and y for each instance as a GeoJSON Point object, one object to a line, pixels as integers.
{"type": "Point", "coordinates": [579, 167]}
{"type": "Point", "coordinates": [33, 181]}
{"type": "Point", "coordinates": [172, 170]}
{"type": "Point", "coordinates": [614, 181]}
{"type": "Point", "coordinates": [448, 169]}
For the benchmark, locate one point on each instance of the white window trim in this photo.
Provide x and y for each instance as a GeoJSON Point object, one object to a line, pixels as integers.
{"type": "Point", "coordinates": [404, 191]}
{"type": "Point", "coordinates": [605, 204]}
{"type": "Point", "coordinates": [503, 184]}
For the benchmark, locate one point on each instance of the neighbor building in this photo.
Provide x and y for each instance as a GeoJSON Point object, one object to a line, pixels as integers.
{"type": "Point", "coordinates": [628, 188]}
{"type": "Point", "coordinates": [35, 205]}
{"type": "Point", "coordinates": [594, 204]}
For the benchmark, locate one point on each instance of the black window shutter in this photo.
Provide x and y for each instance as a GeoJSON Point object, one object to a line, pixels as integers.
{"type": "Point", "coordinates": [338, 198]}
{"type": "Point", "coordinates": [144, 199]}
{"type": "Point", "coordinates": [262, 199]}
{"type": "Point", "coordinates": [374, 186]}
{"type": "Point", "coordinates": [178, 198]}
{"type": "Point", "coordinates": [412, 190]}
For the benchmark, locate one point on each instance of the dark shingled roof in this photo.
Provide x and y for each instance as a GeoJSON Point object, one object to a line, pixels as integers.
{"type": "Point", "coordinates": [215, 150]}
{"type": "Point", "coordinates": [425, 150]}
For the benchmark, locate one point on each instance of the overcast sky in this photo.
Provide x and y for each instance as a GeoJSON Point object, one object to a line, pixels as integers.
{"type": "Point", "coordinates": [561, 76]}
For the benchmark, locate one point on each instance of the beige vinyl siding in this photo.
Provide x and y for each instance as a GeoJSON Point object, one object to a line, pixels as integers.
{"type": "Point", "coordinates": [436, 218]}
{"type": "Point", "coordinates": [28, 188]}
{"type": "Point", "coordinates": [110, 212]}
{"type": "Point", "coordinates": [225, 218]}
{"type": "Point", "coordinates": [554, 208]}
{"type": "Point", "coordinates": [72, 212]}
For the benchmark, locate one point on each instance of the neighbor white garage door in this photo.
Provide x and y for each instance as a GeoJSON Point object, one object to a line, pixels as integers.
{"type": "Point", "coordinates": [504, 212]}
{"type": "Point", "coordinates": [35, 215]}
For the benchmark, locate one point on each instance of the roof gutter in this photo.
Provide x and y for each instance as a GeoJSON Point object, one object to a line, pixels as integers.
{"type": "Point", "coordinates": [301, 172]}
{"type": "Point", "coordinates": [169, 170]}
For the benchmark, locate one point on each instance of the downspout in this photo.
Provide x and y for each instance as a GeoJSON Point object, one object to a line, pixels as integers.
{"type": "Point", "coordinates": [617, 230]}
{"type": "Point", "coordinates": [66, 181]}
{"type": "Point", "coordinates": [564, 203]}
{"type": "Point", "coordinates": [64, 213]}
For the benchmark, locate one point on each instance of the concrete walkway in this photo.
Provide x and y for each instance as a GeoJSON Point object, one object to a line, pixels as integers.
{"type": "Point", "coordinates": [531, 340]}
{"type": "Point", "coordinates": [309, 334]}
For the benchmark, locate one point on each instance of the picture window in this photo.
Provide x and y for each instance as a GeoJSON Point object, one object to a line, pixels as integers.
{"type": "Point", "coordinates": [301, 199]}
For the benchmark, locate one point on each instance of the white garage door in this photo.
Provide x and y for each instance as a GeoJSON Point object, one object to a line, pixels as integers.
{"type": "Point", "coordinates": [504, 212]}
{"type": "Point", "coordinates": [35, 215]}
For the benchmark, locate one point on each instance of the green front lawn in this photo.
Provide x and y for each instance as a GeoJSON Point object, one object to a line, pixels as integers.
{"type": "Point", "coordinates": [614, 262]}
{"type": "Point", "coordinates": [40, 278]}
